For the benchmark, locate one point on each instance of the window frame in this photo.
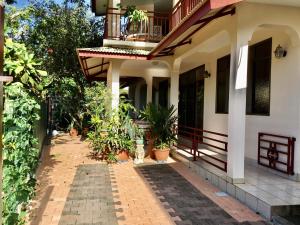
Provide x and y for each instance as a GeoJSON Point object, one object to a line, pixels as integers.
{"type": "Point", "coordinates": [252, 113]}
{"type": "Point", "coordinates": [217, 75]}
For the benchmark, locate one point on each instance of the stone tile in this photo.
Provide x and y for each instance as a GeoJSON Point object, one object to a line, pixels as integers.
{"type": "Point", "coordinates": [231, 189]}
{"type": "Point", "coordinates": [251, 201]}
{"type": "Point", "coordinates": [240, 194]}
{"type": "Point", "coordinates": [264, 209]}
{"type": "Point", "coordinates": [208, 176]}
{"type": "Point", "coordinates": [222, 184]}
{"type": "Point", "coordinates": [215, 180]}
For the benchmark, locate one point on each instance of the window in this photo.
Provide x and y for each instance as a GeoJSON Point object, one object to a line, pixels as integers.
{"type": "Point", "coordinates": [259, 78]}
{"type": "Point", "coordinates": [222, 94]}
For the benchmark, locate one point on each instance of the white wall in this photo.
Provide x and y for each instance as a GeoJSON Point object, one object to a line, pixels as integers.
{"type": "Point", "coordinates": [282, 24]}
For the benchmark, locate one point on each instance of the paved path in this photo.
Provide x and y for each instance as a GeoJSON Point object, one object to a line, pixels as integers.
{"type": "Point", "coordinates": [186, 204]}
{"type": "Point", "coordinates": [75, 189]}
{"type": "Point", "coordinates": [90, 200]}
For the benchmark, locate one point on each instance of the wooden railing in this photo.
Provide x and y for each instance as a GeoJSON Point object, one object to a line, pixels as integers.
{"type": "Point", "coordinates": [119, 27]}
{"type": "Point", "coordinates": [202, 143]}
{"type": "Point", "coordinates": [182, 9]}
{"type": "Point", "coordinates": [276, 152]}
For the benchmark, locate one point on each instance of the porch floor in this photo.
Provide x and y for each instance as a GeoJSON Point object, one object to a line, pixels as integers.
{"type": "Point", "coordinates": [263, 191]}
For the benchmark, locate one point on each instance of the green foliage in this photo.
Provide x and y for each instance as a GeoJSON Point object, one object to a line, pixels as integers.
{"type": "Point", "coordinates": [20, 154]}
{"type": "Point", "coordinates": [133, 14]}
{"type": "Point", "coordinates": [111, 131]}
{"type": "Point", "coordinates": [53, 31]}
{"type": "Point", "coordinates": [20, 114]}
{"type": "Point", "coordinates": [162, 121]}
{"type": "Point", "coordinates": [23, 66]}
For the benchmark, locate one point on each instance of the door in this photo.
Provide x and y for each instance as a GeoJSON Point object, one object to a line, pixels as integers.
{"type": "Point", "coordinates": [191, 98]}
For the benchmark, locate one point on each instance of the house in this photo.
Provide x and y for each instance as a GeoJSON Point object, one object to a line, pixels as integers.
{"type": "Point", "coordinates": [232, 69]}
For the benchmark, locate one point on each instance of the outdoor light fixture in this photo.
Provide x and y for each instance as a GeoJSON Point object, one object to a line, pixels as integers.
{"type": "Point", "coordinates": [206, 74]}
{"type": "Point", "coordinates": [280, 52]}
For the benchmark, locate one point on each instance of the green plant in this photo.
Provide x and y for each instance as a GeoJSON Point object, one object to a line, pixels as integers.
{"type": "Point", "coordinates": [135, 16]}
{"type": "Point", "coordinates": [23, 66]}
{"type": "Point", "coordinates": [111, 130]}
{"type": "Point", "coordinates": [20, 157]}
{"type": "Point", "coordinates": [162, 121]}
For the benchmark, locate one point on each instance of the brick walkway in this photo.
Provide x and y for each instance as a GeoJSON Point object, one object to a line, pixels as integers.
{"type": "Point", "coordinates": [90, 199]}
{"type": "Point", "coordinates": [74, 189]}
{"type": "Point", "coordinates": [186, 204]}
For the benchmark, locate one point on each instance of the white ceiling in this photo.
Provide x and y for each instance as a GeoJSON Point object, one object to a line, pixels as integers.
{"type": "Point", "coordinates": [278, 2]}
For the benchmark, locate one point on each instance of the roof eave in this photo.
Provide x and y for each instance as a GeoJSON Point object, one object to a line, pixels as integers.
{"type": "Point", "coordinates": [203, 10]}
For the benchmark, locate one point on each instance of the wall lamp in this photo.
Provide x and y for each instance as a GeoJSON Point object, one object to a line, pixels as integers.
{"type": "Point", "coordinates": [206, 74]}
{"type": "Point", "coordinates": [280, 52]}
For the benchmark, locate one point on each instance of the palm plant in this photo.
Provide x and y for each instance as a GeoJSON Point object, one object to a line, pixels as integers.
{"type": "Point", "coordinates": [162, 121]}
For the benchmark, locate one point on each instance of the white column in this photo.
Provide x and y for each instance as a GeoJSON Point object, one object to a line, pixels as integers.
{"type": "Point", "coordinates": [174, 89]}
{"type": "Point", "coordinates": [113, 82]}
{"type": "Point", "coordinates": [137, 98]}
{"type": "Point", "coordinates": [149, 82]}
{"type": "Point", "coordinates": [237, 109]}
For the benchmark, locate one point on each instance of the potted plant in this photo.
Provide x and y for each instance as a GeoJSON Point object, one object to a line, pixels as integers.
{"type": "Point", "coordinates": [73, 131]}
{"type": "Point", "coordinates": [161, 121]}
{"type": "Point", "coordinates": [137, 20]}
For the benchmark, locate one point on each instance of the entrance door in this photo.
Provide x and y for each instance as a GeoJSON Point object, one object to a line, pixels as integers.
{"type": "Point", "coordinates": [191, 98]}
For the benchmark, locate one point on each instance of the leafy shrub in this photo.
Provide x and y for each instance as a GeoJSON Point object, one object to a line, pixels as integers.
{"type": "Point", "coordinates": [162, 121]}
{"type": "Point", "coordinates": [20, 158]}
{"type": "Point", "coordinates": [111, 130]}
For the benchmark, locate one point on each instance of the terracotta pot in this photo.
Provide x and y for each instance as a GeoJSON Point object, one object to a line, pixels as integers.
{"type": "Point", "coordinates": [161, 154]}
{"type": "Point", "coordinates": [85, 131]}
{"type": "Point", "coordinates": [150, 148]}
{"type": "Point", "coordinates": [73, 132]}
{"type": "Point", "coordinates": [123, 155]}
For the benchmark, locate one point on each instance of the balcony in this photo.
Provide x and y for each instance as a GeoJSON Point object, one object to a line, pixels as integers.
{"type": "Point", "coordinates": [119, 27]}
{"type": "Point", "coordinates": [182, 9]}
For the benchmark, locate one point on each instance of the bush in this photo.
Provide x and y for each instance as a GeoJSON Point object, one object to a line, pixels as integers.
{"type": "Point", "coordinates": [20, 158]}
{"type": "Point", "coordinates": [111, 131]}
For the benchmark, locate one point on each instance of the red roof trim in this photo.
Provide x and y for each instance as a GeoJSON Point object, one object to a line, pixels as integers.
{"type": "Point", "coordinates": [215, 4]}
{"type": "Point", "coordinates": [202, 11]}
{"type": "Point", "coordinates": [194, 18]}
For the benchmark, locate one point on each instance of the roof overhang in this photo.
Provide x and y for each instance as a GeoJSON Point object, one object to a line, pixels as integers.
{"type": "Point", "coordinates": [199, 17]}
{"type": "Point", "coordinates": [99, 7]}
{"type": "Point", "coordinates": [95, 61]}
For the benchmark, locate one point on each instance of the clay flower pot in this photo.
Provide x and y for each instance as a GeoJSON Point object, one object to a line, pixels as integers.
{"type": "Point", "coordinates": [161, 154]}
{"type": "Point", "coordinates": [150, 151]}
{"type": "Point", "coordinates": [123, 155]}
{"type": "Point", "coordinates": [85, 131]}
{"type": "Point", "coordinates": [73, 132]}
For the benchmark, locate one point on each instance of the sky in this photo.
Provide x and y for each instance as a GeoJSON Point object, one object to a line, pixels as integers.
{"type": "Point", "coordinates": [22, 3]}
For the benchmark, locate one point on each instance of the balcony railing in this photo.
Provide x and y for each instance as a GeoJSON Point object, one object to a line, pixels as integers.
{"type": "Point", "coordinates": [118, 27]}
{"type": "Point", "coordinates": [276, 152]}
{"type": "Point", "coordinates": [208, 146]}
{"type": "Point", "coordinates": [158, 25]}
{"type": "Point", "coordinates": [182, 9]}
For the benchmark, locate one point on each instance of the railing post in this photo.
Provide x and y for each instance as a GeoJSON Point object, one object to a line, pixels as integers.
{"type": "Point", "coordinates": [194, 146]}
{"type": "Point", "coordinates": [258, 144]}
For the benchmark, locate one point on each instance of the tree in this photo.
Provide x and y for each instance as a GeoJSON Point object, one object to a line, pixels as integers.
{"type": "Point", "coordinates": [22, 65]}
{"type": "Point", "coordinates": [53, 32]}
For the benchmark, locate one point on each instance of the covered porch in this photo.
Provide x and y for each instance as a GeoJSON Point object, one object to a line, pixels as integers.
{"type": "Point", "coordinates": [247, 142]}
